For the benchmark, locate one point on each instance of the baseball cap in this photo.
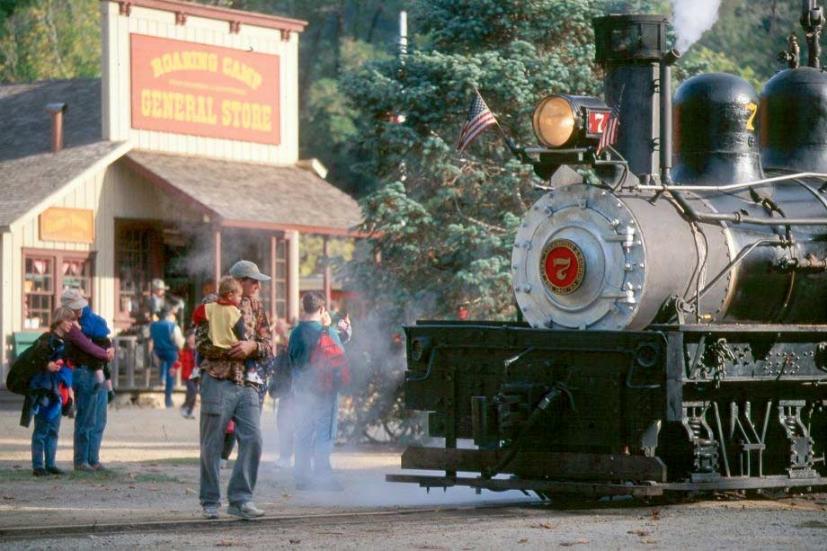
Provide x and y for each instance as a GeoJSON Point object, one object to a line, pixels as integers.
{"type": "Point", "coordinates": [73, 298]}
{"type": "Point", "coordinates": [245, 268]}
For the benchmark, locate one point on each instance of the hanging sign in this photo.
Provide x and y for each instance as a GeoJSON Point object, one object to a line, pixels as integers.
{"type": "Point", "coordinates": [189, 88]}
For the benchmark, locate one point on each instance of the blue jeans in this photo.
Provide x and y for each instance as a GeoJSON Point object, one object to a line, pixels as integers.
{"type": "Point", "coordinates": [221, 401]}
{"type": "Point", "coordinates": [90, 417]}
{"type": "Point", "coordinates": [167, 359]}
{"type": "Point", "coordinates": [316, 417]}
{"type": "Point", "coordinates": [44, 441]}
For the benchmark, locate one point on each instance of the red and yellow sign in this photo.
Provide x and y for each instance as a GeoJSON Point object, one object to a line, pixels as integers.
{"type": "Point", "coordinates": [74, 225]}
{"type": "Point", "coordinates": [188, 88]}
{"type": "Point", "coordinates": [563, 266]}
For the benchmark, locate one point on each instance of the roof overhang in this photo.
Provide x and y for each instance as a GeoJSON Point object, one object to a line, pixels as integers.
{"type": "Point", "coordinates": [273, 198]}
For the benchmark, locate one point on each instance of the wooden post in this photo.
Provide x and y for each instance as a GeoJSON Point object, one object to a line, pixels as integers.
{"type": "Point", "coordinates": [327, 272]}
{"type": "Point", "coordinates": [217, 239]}
{"type": "Point", "coordinates": [273, 252]}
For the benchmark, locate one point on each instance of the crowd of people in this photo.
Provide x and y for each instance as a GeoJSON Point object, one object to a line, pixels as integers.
{"type": "Point", "coordinates": [231, 356]}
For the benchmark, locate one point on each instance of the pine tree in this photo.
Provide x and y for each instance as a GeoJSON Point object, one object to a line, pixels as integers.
{"type": "Point", "coordinates": [444, 223]}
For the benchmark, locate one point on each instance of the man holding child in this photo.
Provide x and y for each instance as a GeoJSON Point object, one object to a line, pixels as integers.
{"type": "Point", "coordinates": [228, 391]}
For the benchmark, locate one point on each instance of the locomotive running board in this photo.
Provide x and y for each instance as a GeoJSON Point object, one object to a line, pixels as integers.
{"type": "Point", "coordinates": [589, 489]}
{"type": "Point", "coordinates": [564, 465]}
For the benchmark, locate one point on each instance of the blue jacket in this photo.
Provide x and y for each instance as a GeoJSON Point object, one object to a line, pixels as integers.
{"type": "Point", "coordinates": [92, 325]}
{"type": "Point", "coordinates": [161, 332]}
{"type": "Point", "coordinates": [45, 388]}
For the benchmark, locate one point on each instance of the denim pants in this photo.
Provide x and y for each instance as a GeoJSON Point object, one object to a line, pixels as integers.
{"type": "Point", "coordinates": [222, 400]}
{"type": "Point", "coordinates": [90, 417]}
{"type": "Point", "coordinates": [192, 393]}
{"type": "Point", "coordinates": [44, 441]}
{"type": "Point", "coordinates": [315, 418]}
{"type": "Point", "coordinates": [167, 359]}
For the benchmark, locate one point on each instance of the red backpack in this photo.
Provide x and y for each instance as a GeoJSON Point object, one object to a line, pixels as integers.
{"type": "Point", "coordinates": [329, 365]}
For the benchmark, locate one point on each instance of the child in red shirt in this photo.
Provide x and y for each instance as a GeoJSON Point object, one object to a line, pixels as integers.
{"type": "Point", "coordinates": [187, 362]}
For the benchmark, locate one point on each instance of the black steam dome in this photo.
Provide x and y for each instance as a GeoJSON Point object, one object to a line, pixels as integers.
{"type": "Point", "coordinates": [793, 121]}
{"type": "Point", "coordinates": [714, 131]}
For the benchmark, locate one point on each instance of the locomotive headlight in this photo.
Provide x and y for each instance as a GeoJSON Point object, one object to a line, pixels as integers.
{"type": "Point", "coordinates": [554, 121]}
{"type": "Point", "coordinates": [570, 121]}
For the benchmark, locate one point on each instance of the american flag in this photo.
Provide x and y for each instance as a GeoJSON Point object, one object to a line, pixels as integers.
{"type": "Point", "coordinates": [480, 117]}
{"type": "Point", "coordinates": [609, 135]}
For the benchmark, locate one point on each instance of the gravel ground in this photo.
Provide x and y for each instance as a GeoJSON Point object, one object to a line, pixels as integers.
{"type": "Point", "coordinates": [152, 455]}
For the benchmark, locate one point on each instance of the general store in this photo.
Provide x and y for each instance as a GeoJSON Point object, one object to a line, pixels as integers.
{"type": "Point", "coordinates": [181, 159]}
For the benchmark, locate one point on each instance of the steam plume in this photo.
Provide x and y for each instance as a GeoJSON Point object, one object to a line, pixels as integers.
{"type": "Point", "coordinates": [691, 18]}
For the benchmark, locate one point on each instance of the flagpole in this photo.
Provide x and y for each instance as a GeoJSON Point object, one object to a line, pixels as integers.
{"type": "Point", "coordinates": [517, 151]}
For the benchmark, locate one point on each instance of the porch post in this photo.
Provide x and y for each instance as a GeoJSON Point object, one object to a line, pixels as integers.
{"type": "Point", "coordinates": [292, 275]}
{"type": "Point", "coordinates": [217, 242]}
{"type": "Point", "coordinates": [273, 252]}
{"type": "Point", "coordinates": [327, 272]}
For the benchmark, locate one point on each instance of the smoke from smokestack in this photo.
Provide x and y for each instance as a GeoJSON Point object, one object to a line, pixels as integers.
{"type": "Point", "coordinates": [691, 18]}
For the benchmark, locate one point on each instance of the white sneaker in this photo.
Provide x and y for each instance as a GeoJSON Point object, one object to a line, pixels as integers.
{"type": "Point", "coordinates": [246, 510]}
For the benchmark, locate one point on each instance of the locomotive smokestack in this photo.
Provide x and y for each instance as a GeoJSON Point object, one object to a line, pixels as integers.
{"type": "Point", "coordinates": [666, 114]}
{"type": "Point", "coordinates": [631, 49]}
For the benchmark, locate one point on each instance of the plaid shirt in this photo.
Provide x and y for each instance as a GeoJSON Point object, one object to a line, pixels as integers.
{"type": "Point", "coordinates": [256, 328]}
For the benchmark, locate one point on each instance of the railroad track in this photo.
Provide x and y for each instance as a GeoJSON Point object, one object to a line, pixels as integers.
{"type": "Point", "coordinates": [504, 509]}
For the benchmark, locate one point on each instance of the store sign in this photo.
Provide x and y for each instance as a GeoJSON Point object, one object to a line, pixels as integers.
{"type": "Point", "coordinates": [74, 225]}
{"type": "Point", "coordinates": [188, 88]}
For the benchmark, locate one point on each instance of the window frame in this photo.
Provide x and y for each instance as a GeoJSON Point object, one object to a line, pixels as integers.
{"type": "Point", "coordinates": [56, 256]}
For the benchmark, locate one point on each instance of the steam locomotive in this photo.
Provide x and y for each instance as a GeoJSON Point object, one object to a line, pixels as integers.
{"type": "Point", "coordinates": [676, 335]}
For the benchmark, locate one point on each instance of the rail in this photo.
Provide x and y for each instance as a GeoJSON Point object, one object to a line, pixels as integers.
{"type": "Point", "coordinates": [134, 368]}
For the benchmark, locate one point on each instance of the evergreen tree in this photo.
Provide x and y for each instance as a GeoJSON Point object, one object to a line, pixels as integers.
{"type": "Point", "coordinates": [444, 222]}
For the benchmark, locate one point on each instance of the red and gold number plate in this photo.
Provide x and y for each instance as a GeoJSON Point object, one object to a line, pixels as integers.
{"type": "Point", "coordinates": [563, 266]}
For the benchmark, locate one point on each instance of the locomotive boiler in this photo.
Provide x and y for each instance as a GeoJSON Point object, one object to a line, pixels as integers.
{"type": "Point", "coordinates": [675, 305]}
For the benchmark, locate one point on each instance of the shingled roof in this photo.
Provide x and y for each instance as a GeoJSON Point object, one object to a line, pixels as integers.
{"type": "Point", "coordinates": [235, 193]}
{"type": "Point", "coordinates": [29, 171]}
{"type": "Point", "coordinates": [240, 193]}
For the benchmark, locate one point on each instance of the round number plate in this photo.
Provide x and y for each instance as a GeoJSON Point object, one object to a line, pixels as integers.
{"type": "Point", "coordinates": [563, 266]}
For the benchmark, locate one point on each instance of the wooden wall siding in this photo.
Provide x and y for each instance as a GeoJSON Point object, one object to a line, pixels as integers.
{"type": "Point", "coordinates": [114, 192]}
{"type": "Point", "coordinates": [116, 83]}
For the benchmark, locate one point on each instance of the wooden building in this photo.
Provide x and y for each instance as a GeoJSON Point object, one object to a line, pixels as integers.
{"type": "Point", "coordinates": [180, 160]}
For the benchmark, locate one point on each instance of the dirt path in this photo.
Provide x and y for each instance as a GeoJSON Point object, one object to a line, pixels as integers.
{"type": "Point", "coordinates": [153, 455]}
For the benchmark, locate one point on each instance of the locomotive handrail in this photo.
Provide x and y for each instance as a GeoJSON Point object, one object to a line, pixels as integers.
{"type": "Point", "coordinates": [731, 187]}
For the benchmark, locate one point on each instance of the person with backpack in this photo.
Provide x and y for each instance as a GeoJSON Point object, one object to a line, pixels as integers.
{"type": "Point", "coordinates": [319, 369]}
{"type": "Point", "coordinates": [46, 387]}
{"type": "Point", "coordinates": [167, 341]}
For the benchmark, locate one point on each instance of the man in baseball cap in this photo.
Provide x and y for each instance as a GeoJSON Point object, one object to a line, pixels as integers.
{"type": "Point", "coordinates": [249, 270]}
{"type": "Point", "coordinates": [73, 298]}
{"type": "Point", "coordinates": [226, 393]}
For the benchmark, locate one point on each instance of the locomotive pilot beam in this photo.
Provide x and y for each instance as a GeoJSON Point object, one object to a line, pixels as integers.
{"type": "Point", "coordinates": [676, 335]}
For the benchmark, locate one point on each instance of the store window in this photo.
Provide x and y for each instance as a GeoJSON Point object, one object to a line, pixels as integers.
{"type": "Point", "coordinates": [138, 260]}
{"type": "Point", "coordinates": [45, 275]}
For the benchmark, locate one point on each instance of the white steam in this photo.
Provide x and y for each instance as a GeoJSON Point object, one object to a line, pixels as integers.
{"type": "Point", "coordinates": [691, 18]}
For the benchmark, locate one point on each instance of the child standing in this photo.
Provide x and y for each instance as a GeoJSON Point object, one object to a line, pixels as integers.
{"type": "Point", "coordinates": [187, 361]}
{"type": "Point", "coordinates": [45, 392]}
